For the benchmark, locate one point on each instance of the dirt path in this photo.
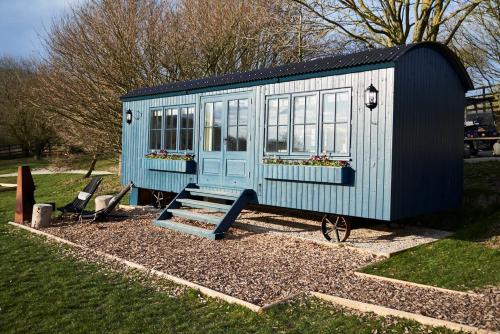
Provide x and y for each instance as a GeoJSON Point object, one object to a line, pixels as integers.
{"type": "Point", "coordinates": [261, 268]}
{"type": "Point", "coordinates": [47, 171]}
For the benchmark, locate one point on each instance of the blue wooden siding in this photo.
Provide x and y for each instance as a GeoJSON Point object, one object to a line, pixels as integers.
{"type": "Point", "coordinates": [371, 136]}
{"type": "Point", "coordinates": [428, 135]}
{"type": "Point", "coordinates": [370, 153]}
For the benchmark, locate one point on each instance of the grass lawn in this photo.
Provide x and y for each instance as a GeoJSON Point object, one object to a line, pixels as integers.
{"type": "Point", "coordinates": [10, 166]}
{"type": "Point", "coordinates": [463, 261]}
{"type": "Point", "coordinates": [44, 291]}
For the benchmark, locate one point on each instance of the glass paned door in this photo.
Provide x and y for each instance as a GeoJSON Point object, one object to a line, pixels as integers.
{"type": "Point", "coordinates": [224, 152]}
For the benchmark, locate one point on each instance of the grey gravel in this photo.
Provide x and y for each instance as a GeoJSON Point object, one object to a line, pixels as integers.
{"type": "Point", "coordinates": [375, 238]}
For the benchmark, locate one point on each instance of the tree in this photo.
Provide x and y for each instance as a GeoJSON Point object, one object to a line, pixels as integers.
{"type": "Point", "coordinates": [479, 42]}
{"type": "Point", "coordinates": [105, 48]}
{"type": "Point", "coordinates": [21, 118]}
{"type": "Point", "coordinates": [391, 22]}
{"type": "Point", "coordinates": [245, 35]}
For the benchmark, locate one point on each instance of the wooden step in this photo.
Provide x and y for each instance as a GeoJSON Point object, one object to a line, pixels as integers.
{"type": "Point", "coordinates": [195, 216]}
{"type": "Point", "coordinates": [213, 193]}
{"type": "Point", "coordinates": [192, 203]}
{"type": "Point", "coordinates": [183, 228]}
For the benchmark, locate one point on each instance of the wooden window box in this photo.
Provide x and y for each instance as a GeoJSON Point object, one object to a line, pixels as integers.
{"type": "Point", "coordinates": [313, 174]}
{"type": "Point", "coordinates": [166, 165]}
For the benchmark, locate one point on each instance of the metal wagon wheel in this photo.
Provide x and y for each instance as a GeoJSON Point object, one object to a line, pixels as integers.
{"type": "Point", "coordinates": [158, 198]}
{"type": "Point", "coordinates": [337, 227]}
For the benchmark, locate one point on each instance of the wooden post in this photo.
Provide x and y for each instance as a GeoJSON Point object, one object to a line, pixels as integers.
{"type": "Point", "coordinates": [25, 194]}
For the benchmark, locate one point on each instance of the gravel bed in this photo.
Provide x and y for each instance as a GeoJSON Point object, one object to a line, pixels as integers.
{"type": "Point", "coordinates": [375, 238]}
{"type": "Point", "coordinates": [263, 267]}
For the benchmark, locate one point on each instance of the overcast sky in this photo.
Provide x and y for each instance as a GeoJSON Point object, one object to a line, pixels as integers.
{"type": "Point", "coordinates": [23, 21]}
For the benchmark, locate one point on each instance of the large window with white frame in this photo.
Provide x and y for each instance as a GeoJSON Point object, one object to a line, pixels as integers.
{"type": "Point", "coordinates": [172, 129]}
{"type": "Point", "coordinates": [309, 123]}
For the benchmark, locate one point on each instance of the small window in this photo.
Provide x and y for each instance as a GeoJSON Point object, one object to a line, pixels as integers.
{"type": "Point", "coordinates": [156, 127]}
{"type": "Point", "coordinates": [171, 115]}
{"type": "Point", "coordinates": [336, 117]}
{"type": "Point", "coordinates": [277, 125]}
{"type": "Point", "coordinates": [172, 128]}
{"type": "Point", "coordinates": [187, 129]}
{"type": "Point", "coordinates": [305, 110]}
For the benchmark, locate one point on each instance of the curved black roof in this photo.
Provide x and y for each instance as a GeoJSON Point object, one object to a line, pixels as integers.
{"type": "Point", "coordinates": [368, 57]}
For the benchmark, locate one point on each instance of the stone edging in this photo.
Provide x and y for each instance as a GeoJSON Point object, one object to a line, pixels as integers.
{"type": "Point", "coordinates": [356, 305]}
{"type": "Point", "coordinates": [385, 311]}
{"type": "Point", "coordinates": [413, 284]}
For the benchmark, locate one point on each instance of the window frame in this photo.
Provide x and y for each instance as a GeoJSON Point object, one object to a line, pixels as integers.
{"type": "Point", "coordinates": [162, 114]}
{"type": "Point", "coordinates": [178, 128]}
{"type": "Point", "coordinates": [348, 122]}
{"type": "Point", "coordinates": [292, 122]}
{"type": "Point", "coordinates": [289, 154]}
{"type": "Point", "coordinates": [204, 127]}
{"type": "Point", "coordinates": [237, 125]}
{"type": "Point", "coordinates": [266, 123]}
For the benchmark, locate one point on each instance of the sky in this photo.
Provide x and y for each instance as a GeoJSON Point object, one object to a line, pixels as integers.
{"type": "Point", "coordinates": [23, 23]}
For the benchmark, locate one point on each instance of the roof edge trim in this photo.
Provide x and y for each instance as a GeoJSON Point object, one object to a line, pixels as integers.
{"type": "Point", "coordinates": [305, 76]}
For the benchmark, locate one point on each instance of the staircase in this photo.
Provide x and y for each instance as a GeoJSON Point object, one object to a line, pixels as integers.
{"type": "Point", "coordinates": [209, 199]}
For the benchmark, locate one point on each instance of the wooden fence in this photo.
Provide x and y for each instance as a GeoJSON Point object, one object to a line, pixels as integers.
{"type": "Point", "coordinates": [11, 151]}
{"type": "Point", "coordinates": [484, 93]}
{"type": "Point", "coordinates": [488, 100]}
{"type": "Point", "coordinates": [16, 151]}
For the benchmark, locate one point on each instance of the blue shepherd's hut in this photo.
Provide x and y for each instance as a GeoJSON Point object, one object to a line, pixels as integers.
{"type": "Point", "coordinates": [376, 134]}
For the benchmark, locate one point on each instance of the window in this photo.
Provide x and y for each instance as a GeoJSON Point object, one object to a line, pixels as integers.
{"type": "Point", "coordinates": [237, 123]}
{"type": "Point", "coordinates": [336, 117]}
{"type": "Point", "coordinates": [213, 126]}
{"type": "Point", "coordinates": [187, 129]}
{"type": "Point", "coordinates": [172, 128]}
{"type": "Point", "coordinates": [304, 124]}
{"type": "Point", "coordinates": [277, 125]}
{"type": "Point", "coordinates": [155, 134]}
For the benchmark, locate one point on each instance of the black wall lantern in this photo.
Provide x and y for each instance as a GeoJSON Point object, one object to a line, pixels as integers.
{"type": "Point", "coordinates": [371, 97]}
{"type": "Point", "coordinates": [128, 116]}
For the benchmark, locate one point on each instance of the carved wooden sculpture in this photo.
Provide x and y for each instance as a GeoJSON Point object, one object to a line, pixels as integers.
{"type": "Point", "coordinates": [25, 194]}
